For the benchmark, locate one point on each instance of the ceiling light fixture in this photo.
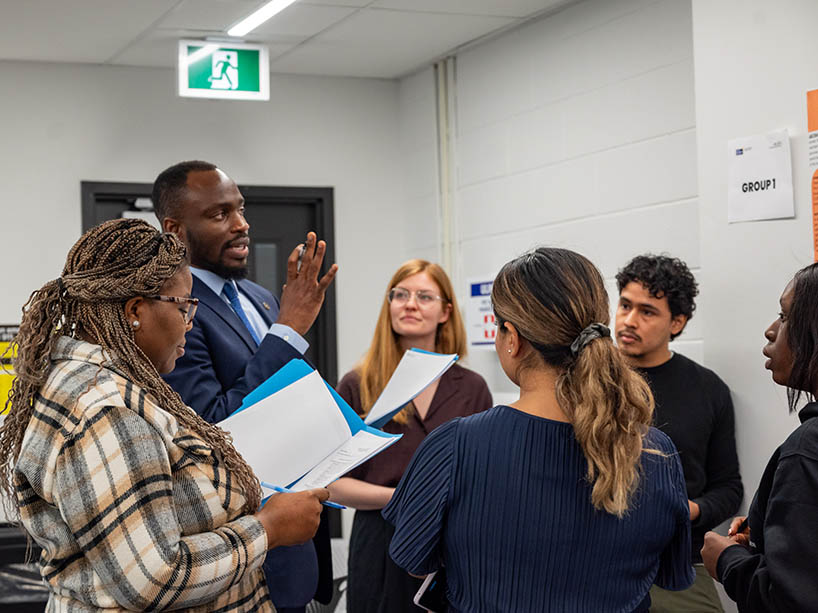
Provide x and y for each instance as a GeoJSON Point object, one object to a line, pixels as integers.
{"type": "Point", "coordinates": [251, 22]}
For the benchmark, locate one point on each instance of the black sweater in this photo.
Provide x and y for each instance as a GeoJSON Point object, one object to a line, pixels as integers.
{"type": "Point", "coordinates": [778, 571]}
{"type": "Point", "coordinates": [693, 407]}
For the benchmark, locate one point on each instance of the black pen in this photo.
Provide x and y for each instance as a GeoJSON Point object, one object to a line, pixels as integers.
{"type": "Point", "coordinates": [742, 526]}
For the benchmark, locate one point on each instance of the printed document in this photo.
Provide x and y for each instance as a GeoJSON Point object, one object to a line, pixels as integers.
{"type": "Point", "coordinates": [296, 432]}
{"type": "Point", "coordinates": [415, 372]}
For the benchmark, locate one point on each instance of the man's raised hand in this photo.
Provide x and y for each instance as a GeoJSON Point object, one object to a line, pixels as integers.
{"type": "Point", "coordinates": [303, 295]}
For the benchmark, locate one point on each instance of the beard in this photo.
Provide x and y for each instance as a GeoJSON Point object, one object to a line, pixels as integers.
{"type": "Point", "coordinates": [217, 266]}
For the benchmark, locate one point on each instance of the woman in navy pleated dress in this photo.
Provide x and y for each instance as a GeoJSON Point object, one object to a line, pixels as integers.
{"type": "Point", "coordinates": [566, 499]}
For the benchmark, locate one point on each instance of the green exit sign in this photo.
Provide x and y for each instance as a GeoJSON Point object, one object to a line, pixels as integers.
{"type": "Point", "coordinates": [232, 71]}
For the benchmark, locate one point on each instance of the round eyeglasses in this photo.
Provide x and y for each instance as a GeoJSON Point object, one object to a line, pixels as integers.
{"type": "Point", "coordinates": [423, 298]}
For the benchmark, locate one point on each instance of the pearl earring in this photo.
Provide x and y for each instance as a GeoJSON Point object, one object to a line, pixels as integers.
{"type": "Point", "coordinates": [509, 350]}
{"type": "Point", "coordinates": [135, 323]}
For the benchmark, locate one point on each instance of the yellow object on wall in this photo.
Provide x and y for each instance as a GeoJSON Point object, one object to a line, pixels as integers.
{"type": "Point", "coordinates": [6, 376]}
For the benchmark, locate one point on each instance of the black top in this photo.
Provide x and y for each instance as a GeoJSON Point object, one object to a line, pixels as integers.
{"type": "Point", "coordinates": [693, 407]}
{"type": "Point", "coordinates": [778, 571]}
{"type": "Point", "coordinates": [502, 500]}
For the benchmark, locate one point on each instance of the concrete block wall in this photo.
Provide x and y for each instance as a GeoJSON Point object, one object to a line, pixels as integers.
{"type": "Point", "coordinates": [579, 131]}
{"type": "Point", "coordinates": [755, 61]}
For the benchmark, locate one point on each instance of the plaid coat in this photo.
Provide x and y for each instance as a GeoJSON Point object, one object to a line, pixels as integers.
{"type": "Point", "coordinates": [133, 511]}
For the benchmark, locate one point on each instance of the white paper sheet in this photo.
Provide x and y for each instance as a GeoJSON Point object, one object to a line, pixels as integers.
{"type": "Point", "coordinates": [759, 178]}
{"type": "Point", "coordinates": [349, 455]}
{"type": "Point", "coordinates": [416, 371]}
{"type": "Point", "coordinates": [286, 434]}
{"type": "Point", "coordinates": [480, 326]}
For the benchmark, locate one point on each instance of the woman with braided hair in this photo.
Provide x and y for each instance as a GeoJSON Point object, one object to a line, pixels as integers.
{"type": "Point", "coordinates": [566, 500]}
{"type": "Point", "coordinates": [136, 502]}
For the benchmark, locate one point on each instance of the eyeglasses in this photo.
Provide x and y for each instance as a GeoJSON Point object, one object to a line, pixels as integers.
{"type": "Point", "coordinates": [400, 296]}
{"type": "Point", "coordinates": [192, 303]}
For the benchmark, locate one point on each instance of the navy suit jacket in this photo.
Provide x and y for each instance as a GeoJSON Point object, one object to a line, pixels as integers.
{"type": "Point", "coordinates": [221, 365]}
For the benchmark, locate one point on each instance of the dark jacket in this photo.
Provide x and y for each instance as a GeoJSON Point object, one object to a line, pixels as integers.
{"type": "Point", "coordinates": [221, 365]}
{"type": "Point", "coordinates": [778, 571]}
{"type": "Point", "coordinates": [222, 362]}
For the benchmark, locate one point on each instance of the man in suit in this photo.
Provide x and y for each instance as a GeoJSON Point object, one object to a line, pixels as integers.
{"type": "Point", "coordinates": [242, 334]}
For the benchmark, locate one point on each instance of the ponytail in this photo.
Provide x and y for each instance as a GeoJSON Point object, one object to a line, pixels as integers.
{"type": "Point", "coordinates": [610, 407]}
{"type": "Point", "coordinates": [555, 298]}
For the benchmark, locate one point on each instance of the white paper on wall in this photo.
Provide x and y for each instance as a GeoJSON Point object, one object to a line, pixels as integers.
{"type": "Point", "coordinates": [759, 182]}
{"type": "Point", "coordinates": [480, 326]}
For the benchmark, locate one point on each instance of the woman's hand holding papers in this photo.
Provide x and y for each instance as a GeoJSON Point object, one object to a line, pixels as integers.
{"type": "Point", "coordinates": [292, 519]}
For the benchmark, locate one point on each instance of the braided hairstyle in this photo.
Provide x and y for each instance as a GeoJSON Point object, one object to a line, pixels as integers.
{"type": "Point", "coordinates": [110, 264]}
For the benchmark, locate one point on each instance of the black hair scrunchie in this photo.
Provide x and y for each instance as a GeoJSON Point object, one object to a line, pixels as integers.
{"type": "Point", "coordinates": [592, 332]}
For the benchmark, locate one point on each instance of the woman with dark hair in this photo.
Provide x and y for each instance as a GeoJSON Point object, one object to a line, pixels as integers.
{"type": "Point", "coordinates": [419, 310]}
{"type": "Point", "coordinates": [768, 561]}
{"type": "Point", "coordinates": [136, 502]}
{"type": "Point", "coordinates": [566, 500]}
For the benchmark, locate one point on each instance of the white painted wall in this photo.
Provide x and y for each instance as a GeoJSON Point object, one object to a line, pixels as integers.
{"type": "Point", "coordinates": [61, 124]}
{"type": "Point", "coordinates": [755, 60]}
{"type": "Point", "coordinates": [415, 228]}
{"type": "Point", "coordinates": [578, 131]}
{"type": "Point", "coordinates": [419, 165]}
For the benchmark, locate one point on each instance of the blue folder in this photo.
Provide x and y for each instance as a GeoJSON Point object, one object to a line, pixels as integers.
{"type": "Point", "coordinates": [289, 374]}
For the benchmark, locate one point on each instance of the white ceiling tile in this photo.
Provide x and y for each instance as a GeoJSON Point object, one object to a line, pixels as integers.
{"type": "Point", "coordinates": [75, 31]}
{"type": "Point", "coordinates": [160, 49]}
{"type": "Point", "coordinates": [425, 33]}
{"type": "Point", "coordinates": [333, 37]}
{"type": "Point", "coordinates": [211, 15]}
{"type": "Point", "coordinates": [300, 20]}
{"type": "Point", "coordinates": [384, 44]}
{"type": "Point", "coordinates": [353, 3]}
{"type": "Point", "coordinates": [507, 8]}
{"type": "Point", "coordinates": [335, 60]}
{"type": "Point", "coordinates": [157, 50]}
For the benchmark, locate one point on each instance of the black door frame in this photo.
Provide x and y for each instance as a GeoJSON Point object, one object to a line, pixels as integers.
{"type": "Point", "coordinates": [321, 198]}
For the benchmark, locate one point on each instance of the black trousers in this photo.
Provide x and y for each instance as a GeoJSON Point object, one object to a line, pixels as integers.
{"type": "Point", "coordinates": [375, 583]}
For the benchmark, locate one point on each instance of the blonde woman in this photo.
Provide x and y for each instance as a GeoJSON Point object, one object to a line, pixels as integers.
{"type": "Point", "coordinates": [566, 500]}
{"type": "Point", "coordinates": [419, 311]}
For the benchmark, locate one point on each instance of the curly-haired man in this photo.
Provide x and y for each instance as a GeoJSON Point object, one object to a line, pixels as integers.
{"type": "Point", "coordinates": [693, 406]}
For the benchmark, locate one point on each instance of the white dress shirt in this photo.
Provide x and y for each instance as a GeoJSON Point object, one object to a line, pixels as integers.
{"type": "Point", "coordinates": [216, 284]}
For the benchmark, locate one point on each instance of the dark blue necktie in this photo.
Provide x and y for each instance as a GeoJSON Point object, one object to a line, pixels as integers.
{"type": "Point", "coordinates": [233, 296]}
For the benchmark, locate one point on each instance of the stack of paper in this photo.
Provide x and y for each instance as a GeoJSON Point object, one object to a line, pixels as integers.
{"type": "Point", "coordinates": [416, 371]}
{"type": "Point", "coordinates": [295, 431]}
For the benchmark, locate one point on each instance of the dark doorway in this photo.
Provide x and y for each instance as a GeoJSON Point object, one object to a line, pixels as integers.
{"type": "Point", "coordinates": [280, 218]}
